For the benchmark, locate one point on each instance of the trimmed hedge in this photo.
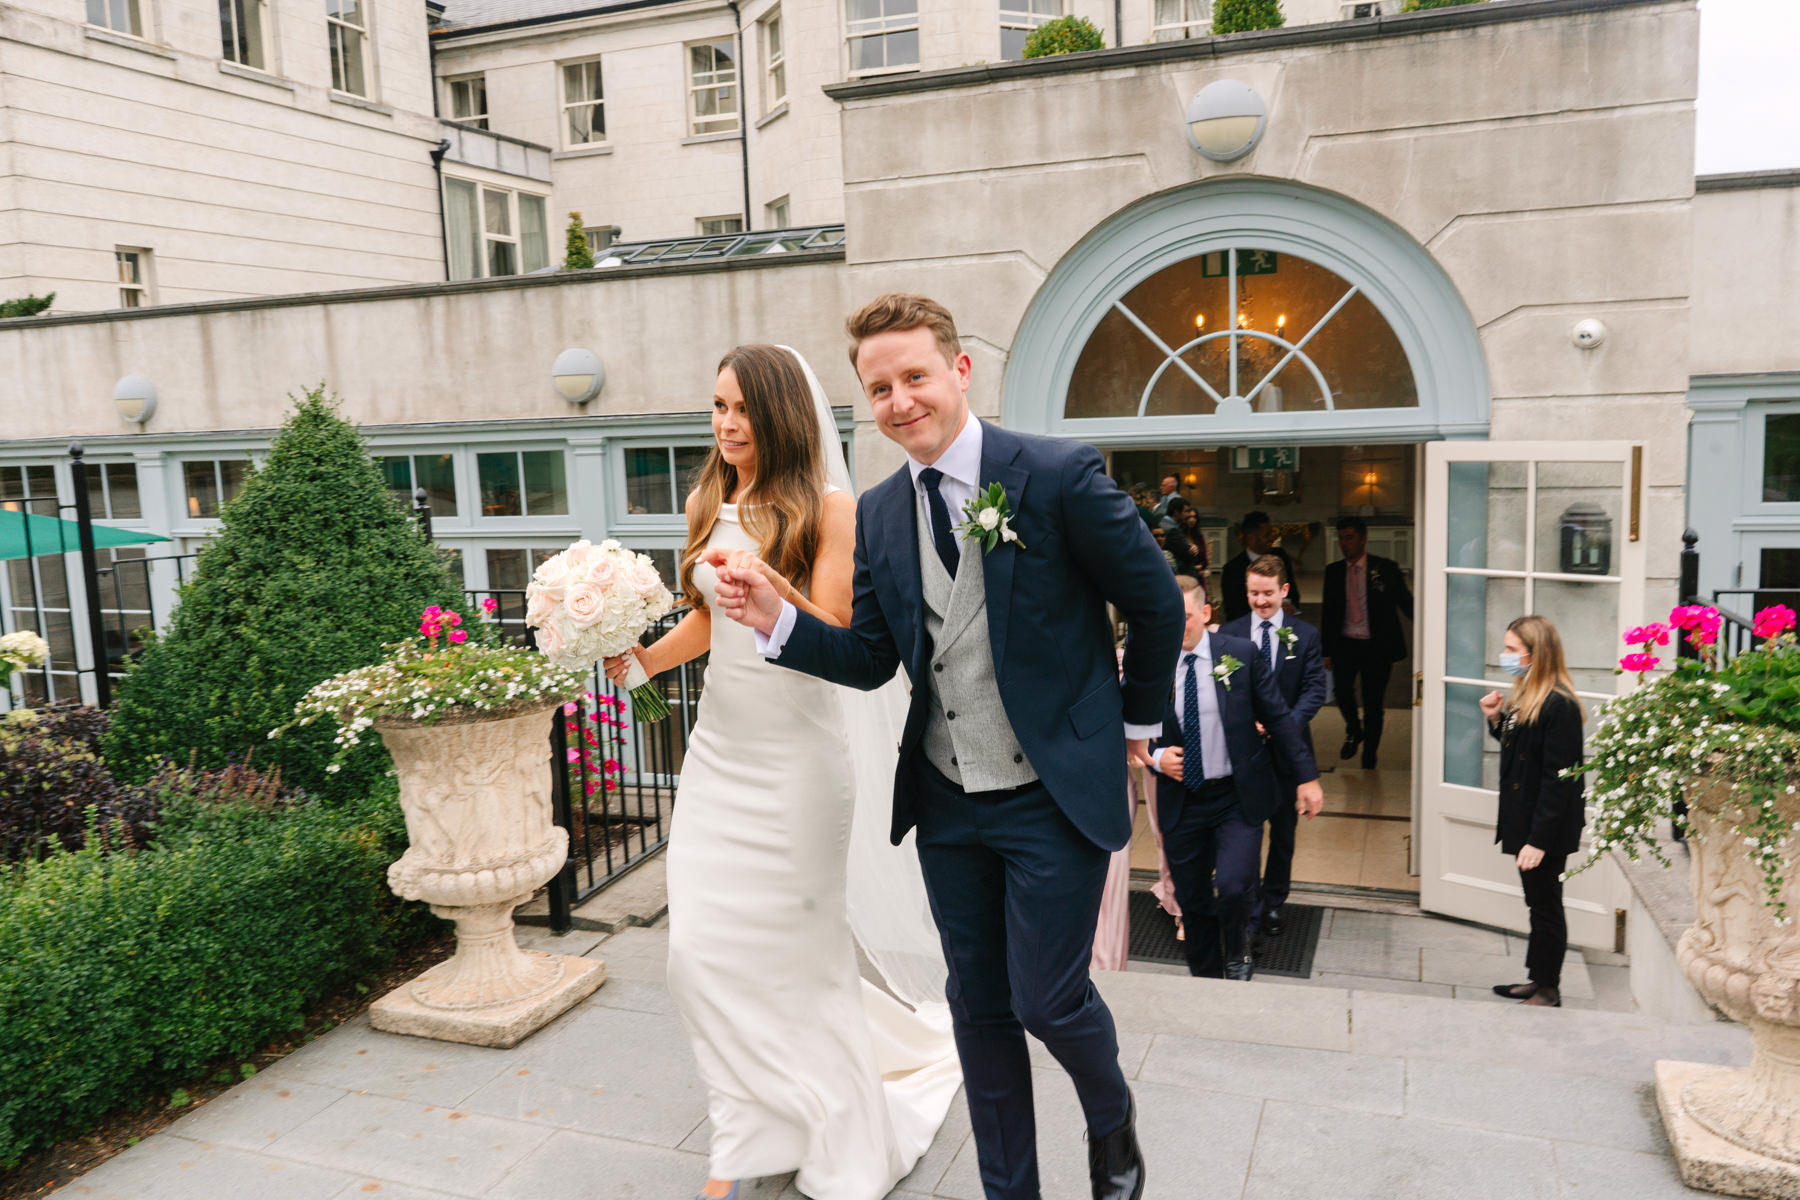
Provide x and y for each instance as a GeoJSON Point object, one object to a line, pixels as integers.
{"type": "Point", "coordinates": [314, 568]}
{"type": "Point", "coordinates": [1241, 16]}
{"type": "Point", "coordinates": [1417, 5]}
{"type": "Point", "coordinates": [1064, 35]}
{"type": "Point", "coordinates": [127, 973]}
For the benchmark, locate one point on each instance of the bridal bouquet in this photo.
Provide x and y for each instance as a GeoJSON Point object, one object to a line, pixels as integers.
{"type": "Point", "coordinates": [21, 651]}
{"type": "Point", "coordinates": [593, 602]}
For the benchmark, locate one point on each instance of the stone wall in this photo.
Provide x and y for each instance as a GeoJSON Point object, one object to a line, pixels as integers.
{"type": "Point", "coordinates": [1747, 274]}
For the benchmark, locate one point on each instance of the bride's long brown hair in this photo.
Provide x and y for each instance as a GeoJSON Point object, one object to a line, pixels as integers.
{"type": "Point", "coordinates": [784, 506]}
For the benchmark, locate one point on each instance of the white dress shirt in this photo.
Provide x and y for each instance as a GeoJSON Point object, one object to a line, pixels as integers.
{"type": "Point", "coordinates": [1256, 633]}
{"type": "Point", "coordinates": [960, 464]}
{"type": "Point", "coordinates": [1212, 729]}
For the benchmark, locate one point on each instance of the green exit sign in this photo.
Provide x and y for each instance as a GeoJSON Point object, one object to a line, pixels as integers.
{"type": "Point", "coordinates": [1217, 265]}
{"type": "Point", "coordinates": [1266, 458]}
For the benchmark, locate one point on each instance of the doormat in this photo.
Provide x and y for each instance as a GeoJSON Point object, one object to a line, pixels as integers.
{"type": "Point", "coordinates": [1291, 954]}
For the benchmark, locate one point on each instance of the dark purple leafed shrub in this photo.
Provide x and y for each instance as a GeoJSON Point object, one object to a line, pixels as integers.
{"type": "Point", "coordinates": [52, 775]}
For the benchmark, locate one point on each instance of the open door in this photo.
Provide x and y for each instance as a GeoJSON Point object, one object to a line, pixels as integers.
{"type": "Point", "coordinates": [1516, 527]}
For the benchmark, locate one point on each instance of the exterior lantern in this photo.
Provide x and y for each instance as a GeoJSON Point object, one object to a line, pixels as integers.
{"type": "Point", "coordinates": [1225, 120]}
{"type": "Point", "coordinates": [135, 398]}
{"type": "Point", "coordinates": [1587, 535]}
{"type": "Point", "coordinates": [578, 375]}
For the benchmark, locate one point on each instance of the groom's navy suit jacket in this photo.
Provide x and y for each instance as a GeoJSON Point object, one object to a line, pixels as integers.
{"type": "Point", "coordinates": [1300, 673]}
{"type": "Point", "coordinates": [1253, 696]}
{"type": "Point", "coordinates": [1083, 545]}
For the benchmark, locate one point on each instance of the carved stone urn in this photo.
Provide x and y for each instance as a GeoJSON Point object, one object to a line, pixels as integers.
{"type": "Point", "coordinates": [1733, 1130]}
{"type": "Point", "coordinates": [476, 793]}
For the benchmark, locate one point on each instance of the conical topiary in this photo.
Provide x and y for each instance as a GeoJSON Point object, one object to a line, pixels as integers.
{"type": "Point", "coordinates": [576, 254]}
{"type": "Point", "coordinates": [1241, 16]}
{"type": "Point", "coordinates": [313, 569]}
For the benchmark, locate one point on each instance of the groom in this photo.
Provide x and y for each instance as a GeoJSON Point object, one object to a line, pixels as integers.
{"type": "Point", "coordinates": [1013, 760]}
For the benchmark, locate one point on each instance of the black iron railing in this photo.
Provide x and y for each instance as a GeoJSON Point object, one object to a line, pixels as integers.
{"type": "Point", "coordinates": [614, 778]}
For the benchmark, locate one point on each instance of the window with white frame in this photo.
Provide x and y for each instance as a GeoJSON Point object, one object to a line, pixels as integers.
{"type": "Point", "coordinates": [658, 478]}
{"type": "Point", "coordinates": [241, 25]}
{"type": "Point", "coordinates": [1351, 10]}
{"type": "Point", "coordinates": [436, 473]}
{"type": "Point", "coordinates": [212, 483]}
{"type": "Point", "coordinates": [133, 265]}
{"type": "Point", "coordinates": [522, 483]}
{"type": "Point", "coordinates": [778, 212]}
{"type": "Point", "coordinates": [120, 16]}
{"type": "Point", "coordinates": [493, 231]}
{"type": "Point", "coordinates": [583, 105]}
{"type": "Point", "coordinates": [1173, 20]}
{"type": "Point", "coordinates": [37, 594]}
{"type": "Point", "coordinates": [719, 226]}
{"type": "Point", "coordinates": [774, 63]}
{"type": "Point", "coordinates": [883, 35]}
{"type": "Point", "coordinates": [712, 87]}
{"type": "Point", "coordinates": [347, 26]}
{"type": "Point", "coordinates": [1018, 18]}
{"type": "Point", "coordinates": [600, 237]}
{"type": "Point", "coordinates": [468, 100]}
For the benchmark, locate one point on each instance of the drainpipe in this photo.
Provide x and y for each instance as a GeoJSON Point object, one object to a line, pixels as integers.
{"type": "Point", "coordinates": [437, 163]}
{"type": "Point", "coordinates": [1118, 23]}
{"type": "Point", "coordinates": [743, 112]}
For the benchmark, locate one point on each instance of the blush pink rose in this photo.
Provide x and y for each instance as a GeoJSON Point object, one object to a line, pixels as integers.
{"type": "Point", "coordinates": [550, 639]}
{"type": "Point", "coordinates": [538, 608]}
{"type": "Point", "coordinates": [642, 577]}
{"type": "Point", "coordinates": [552, 577]}
{"type": "Point", "coordinates": [579, 555]}
{"type": "Point", "coordinates": [585, 604]}
{"type": "Point", "coordinates": [601, 572]}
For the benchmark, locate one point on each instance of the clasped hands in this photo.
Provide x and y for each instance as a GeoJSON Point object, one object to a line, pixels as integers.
{"type": "Point", "coordinates": [1309, 798]}
{"type": "Point", "coordinates": [750, 592]}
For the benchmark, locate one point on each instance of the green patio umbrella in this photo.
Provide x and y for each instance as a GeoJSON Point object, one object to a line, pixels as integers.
{"type": "Point", "coordinates": [51, 535]}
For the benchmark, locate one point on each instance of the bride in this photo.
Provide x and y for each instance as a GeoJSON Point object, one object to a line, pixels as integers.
{"type": "Point", "coordinates": [808, 1067]}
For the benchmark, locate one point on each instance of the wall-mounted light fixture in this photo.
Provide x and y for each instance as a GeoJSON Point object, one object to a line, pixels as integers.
{"type": "Point", "coordinates": [135, 398]}
{"type": "Point", "coordinates": [578, 375]}
{"type": "Point", "coordinates": [1225, 120]}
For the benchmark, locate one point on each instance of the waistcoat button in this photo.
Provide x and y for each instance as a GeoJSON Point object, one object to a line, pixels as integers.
{"type": "Point", "coordinates": [937, 666]}
{"type": "Point", "coordinates": [1018, 758]}
{"type": "Point", "coordinates": [950, 716]}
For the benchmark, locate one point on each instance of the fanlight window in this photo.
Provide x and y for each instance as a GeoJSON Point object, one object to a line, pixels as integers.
{"type": "Point", "coordinates": [1240, 331]}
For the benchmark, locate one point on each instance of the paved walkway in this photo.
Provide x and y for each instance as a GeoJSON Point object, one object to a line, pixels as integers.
{"type": "Point", "coordinates": [1258, 1091]}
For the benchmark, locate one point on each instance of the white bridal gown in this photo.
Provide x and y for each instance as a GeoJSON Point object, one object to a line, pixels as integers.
{"type": "Point", "coordinates": [808, 1067]}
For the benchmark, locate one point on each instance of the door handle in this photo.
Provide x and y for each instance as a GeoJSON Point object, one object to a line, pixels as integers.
{"type": "Point", "coordinates": [1418, 689]}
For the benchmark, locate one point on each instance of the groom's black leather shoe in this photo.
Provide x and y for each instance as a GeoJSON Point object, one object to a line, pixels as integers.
{"type": "Point", "coordinates": [1240, 969]}
{"type": "Point", "coordinates": [1115, 1164]}
{"type": "Point", "coordinates": [1271, 923]}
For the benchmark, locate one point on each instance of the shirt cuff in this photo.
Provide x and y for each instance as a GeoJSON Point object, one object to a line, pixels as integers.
{"type": "Point", "coordinates": [769, 645]}
{"type": "Point", "coordinates": [1136, 733]}
{"type": "Point", "coordinates": [1156, 759]}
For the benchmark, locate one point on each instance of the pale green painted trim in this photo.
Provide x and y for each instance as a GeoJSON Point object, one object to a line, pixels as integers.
{"type": "Point", "coordinates": [1399, 277]}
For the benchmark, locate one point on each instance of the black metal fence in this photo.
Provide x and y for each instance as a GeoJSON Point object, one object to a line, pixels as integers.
{"type": "Point", "coordinates": [1736, 633]}
{"type": "Point", "coordinates": [613, 777]}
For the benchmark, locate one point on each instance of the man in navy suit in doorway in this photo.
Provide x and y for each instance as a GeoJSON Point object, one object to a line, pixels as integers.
{"type": "Point", "coordinates": [1013, 760]}
{"type": "Point", "coordinates": [1218, 785]}
{"type": "Point", "coordinates": [1292, 650]}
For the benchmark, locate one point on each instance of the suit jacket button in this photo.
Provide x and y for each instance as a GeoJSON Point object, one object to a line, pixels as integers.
{"type": "Point", "coordinates": [953, 760]}
{"type": "Point", "coordinates": [950, 716]}
{"type": "Point", "coordinates": [1018, 758]}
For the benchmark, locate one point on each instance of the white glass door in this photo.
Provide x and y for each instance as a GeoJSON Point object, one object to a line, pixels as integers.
{"type": "Point", "coordinates": [1516, 527]}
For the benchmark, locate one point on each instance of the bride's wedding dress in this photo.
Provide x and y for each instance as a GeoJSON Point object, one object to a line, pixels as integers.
{"type": "Point", "coordinates": [809, 1067]}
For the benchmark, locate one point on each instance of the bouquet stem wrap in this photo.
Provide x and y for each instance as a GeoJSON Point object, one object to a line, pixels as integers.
{"type": "Point", "coordinates": [647, 703]}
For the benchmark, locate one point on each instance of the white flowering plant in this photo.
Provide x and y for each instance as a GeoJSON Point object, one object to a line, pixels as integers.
{"type": "Point", "coordinates": [1738, 722]}
{"type": "Point", "coordinates": [444, 674]}
{"type": "Point", "coordinates": [593, 602]}
{"type": "Point", "coordinates": [22, 651]}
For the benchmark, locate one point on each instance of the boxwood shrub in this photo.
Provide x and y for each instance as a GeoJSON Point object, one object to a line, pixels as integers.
{"type": "Point", "coordinates": [122, 974]}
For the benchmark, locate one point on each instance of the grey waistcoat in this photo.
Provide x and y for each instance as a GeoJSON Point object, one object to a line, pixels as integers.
{"type": "Point", "coordinates": [977, 748]}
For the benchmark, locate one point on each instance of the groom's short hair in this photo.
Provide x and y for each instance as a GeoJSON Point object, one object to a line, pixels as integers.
{"type": "Point", "coordinates": [1188, 583]}
{"type": "Point", "coordinates": [900, 311]}
{"type": "Point", "coordinates": [1271, 566]}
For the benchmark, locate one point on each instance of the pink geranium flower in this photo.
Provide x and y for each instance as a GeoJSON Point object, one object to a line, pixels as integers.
{"type": "Point", "coordinates": [457, 637]}
{"type": "Point", "coordinates": [1644, 635]}
{"type": "Point", "coordinates": [1773, 621]}
{"type": "Point", "coordinates": [1639, 663]}
{"type": "Point", "coordinates": [490, 604]}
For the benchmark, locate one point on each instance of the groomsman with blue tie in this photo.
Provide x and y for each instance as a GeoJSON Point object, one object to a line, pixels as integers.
{"type": "Point", "coordinates": [1298, 661]}
{"type": "Point", "coordinates": [1217, 784]}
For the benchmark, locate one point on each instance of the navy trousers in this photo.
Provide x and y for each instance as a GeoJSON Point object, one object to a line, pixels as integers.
{"type": "Point", "coordinates": [1278, 872]}
{"type": "Point", "coordinates": [1215, 859]}
{"type": "Point", "coordinates": [1015, 889]}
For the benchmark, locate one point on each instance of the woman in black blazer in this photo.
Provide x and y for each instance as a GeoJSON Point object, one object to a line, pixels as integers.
{"type": "Point", "coordinates": [1541, 813]}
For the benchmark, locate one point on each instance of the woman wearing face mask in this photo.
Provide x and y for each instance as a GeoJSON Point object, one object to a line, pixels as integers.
{"type": "Point", "coordinates": [1541, 813]}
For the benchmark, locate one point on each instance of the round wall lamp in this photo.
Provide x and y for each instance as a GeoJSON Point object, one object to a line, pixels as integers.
{"type": "Point", "coordinates": [1588, 334]}
{"type": "Point", "coordinates": [1225, 120]}
{"type": "Point", "coordinates": [578, 375]}
{"type": "Point", "coordinates": [135, 398]}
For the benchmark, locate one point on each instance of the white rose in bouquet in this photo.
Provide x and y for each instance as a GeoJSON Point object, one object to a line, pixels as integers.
{"type": "Point", "coordinates": [593, 602]}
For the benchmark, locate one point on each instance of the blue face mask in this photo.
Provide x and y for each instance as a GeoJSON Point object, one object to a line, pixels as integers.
{"type": "Point", "coordinates": [1511, 665]}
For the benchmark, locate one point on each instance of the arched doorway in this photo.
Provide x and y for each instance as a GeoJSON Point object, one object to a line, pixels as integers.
{"type": "Point", "coordinates": [1276, 347]}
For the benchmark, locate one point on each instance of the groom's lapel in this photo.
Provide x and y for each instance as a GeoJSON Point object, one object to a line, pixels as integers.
{"type": "Point", "coordinates": [999, 453]}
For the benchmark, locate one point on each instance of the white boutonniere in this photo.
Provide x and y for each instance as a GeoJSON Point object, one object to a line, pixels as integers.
{"type": "Point", "coordinates": [1227, 667]}
{"type": "Point", "coordinates": [989, 519]}
{"type": "Point", "coordinates": [1287, 635]}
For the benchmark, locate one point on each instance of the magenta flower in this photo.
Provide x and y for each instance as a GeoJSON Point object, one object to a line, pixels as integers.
{"type": "Point", "coordinates": [569, 709]}
{"type": "Point", "coordinates": [458, 637]}
{"type": "Point", "coordinates": [1644, 635]}
{"type": "Point", "coordinates": [1639, 663]}
{"type": "Point", "coordinates": [1773, 621]}
{"type": "Point", "coordinates": [490, 604]}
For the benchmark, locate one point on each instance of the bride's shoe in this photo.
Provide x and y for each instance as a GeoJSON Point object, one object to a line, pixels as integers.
{"type": "Point", "coordinates": [732, 1194]}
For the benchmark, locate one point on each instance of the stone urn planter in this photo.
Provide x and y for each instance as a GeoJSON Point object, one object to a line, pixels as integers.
{"type": "Point", "coordinates": [476, 793]}
{"type": "Point", "coordinates": [1733, 1130]}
